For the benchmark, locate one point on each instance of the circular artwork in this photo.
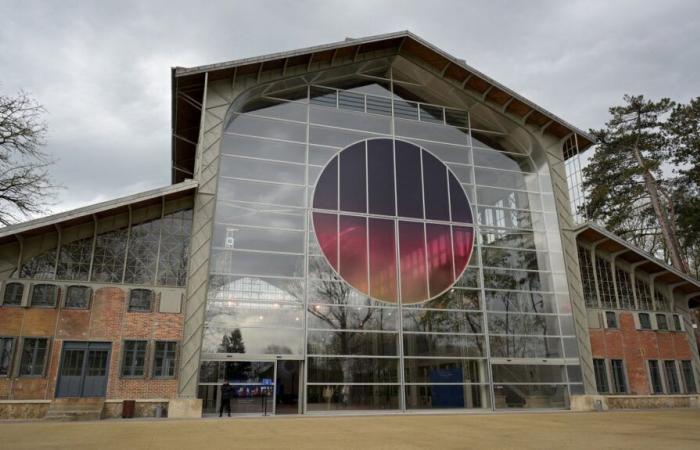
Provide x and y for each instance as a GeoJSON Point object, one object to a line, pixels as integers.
{"type": "Point", "coordinates": [393, 221]}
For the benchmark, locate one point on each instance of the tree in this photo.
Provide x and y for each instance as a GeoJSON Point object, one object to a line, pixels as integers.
{"type": "Point", "coordinates": [232, 343]}
{"type": "Point", "coordinates": [24, 181]}
{"type": "Point", "coordinates": [628, 189]}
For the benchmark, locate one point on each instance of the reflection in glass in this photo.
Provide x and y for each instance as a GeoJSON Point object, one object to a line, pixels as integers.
{"type": "Point", "coordinates": [338, 397]}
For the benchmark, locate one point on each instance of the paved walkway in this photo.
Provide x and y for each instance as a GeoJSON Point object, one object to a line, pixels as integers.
{"type": "Point", "coordinates": [669, 429]}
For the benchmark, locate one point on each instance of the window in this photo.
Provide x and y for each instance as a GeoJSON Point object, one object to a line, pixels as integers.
{"type": "Point", "coordinates": [7, 345]}
{"type": "Point", "coordinates": [662, 303]}
{"type": "Point", "coordinates": [601, 376]}
{"type": "Point", "coordinates": [688, 377]}
{"type": "Point", "coordinates": [643, 295]}
{"type": "Point", "coordinates": [13, 294]}
{"type": "Point", "coordinates": [618, 376]}
{"type": "Point", "coordinates": [661, 322]}
{"type": "Point", "coordinates": [677, 322]}
{"type": "Point", "coordinates": [164, 359]}
{"type": "Point", "coordinates": [44, 295]}
{"type": "Point", "coordinates": [584, 259]}
{"type": "Point", "coordinates": [657, 386]}
{"type": "Point", "coordinates": [134, 360]}
{"type": "Point", "coordinates": [624, 289]}
{"type": "Point", "coordinates": [34, 351]}
{"type": "Point", "coordinates": [605, 284]}
{"type": "Point", "coordinates": [78, 297]}
{"type": "Point", "coordinates": [644, 321]}
{"type": "Point", "coordinates": [140, 300]}
{"type": "Point", "coordinates": [674, 386]}
{"type": "Point", "coordinates": [611, 319]}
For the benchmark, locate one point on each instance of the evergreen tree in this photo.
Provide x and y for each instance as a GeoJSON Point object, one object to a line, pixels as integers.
{"type": "Point", "coordinates": [627, 188]}
{"type": "Point", "coordinates": [232, 343]}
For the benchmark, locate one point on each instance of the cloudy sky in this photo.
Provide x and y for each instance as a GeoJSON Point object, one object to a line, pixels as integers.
{"type": "Point", "coordinates": [102, 69]}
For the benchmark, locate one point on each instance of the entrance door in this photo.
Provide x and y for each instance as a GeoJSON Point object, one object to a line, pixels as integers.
{"type": "Point", "coordinates": [83, 371]}
{"type": "Point", "coordinates": [287, 387]}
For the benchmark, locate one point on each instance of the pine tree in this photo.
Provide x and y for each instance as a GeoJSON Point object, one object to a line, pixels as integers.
{"type": "Point", "coordinates": [628, 190]}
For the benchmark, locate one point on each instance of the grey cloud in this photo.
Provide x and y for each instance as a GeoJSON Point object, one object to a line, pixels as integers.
{"type": "Point", "coordinates": [102, 68]}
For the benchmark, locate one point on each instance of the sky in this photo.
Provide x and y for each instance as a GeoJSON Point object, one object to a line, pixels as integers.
{"type": "Point", "coordinates": [102, 69]}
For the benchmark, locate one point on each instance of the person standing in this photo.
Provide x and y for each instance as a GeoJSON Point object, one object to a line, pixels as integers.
{"type": "Point", "coordinates": [226, 394]}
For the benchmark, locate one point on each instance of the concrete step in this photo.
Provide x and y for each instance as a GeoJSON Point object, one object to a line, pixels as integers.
{"type": "Point", "coordinates": [74, 409]}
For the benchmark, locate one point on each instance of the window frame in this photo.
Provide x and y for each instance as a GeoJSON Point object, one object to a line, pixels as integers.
{"type": "Point", "coordinates": [4, 293]}
{"type": "Point", "coordinates": [123, 357]}
{"type": "Point", "coordinates": [151, 307]}
{"type": "Point", "coordinates": [176, 359]}
{"type": "Point", "coordinates": [677, 322]}
{"type": "Point", "coordinates": [45, 363]}
{"type": "Point", "coordinates": [620, 386]}
{"type": "Point", "coordinates": [602, 362]}
{"type": "Point", "coordinates": [13, 351]}
{"type": "Point", "coordinates": [674, 363]}
{"type": "Point", "coordinates": [648, 317]}
{"type": "Point", "coordinates": [693, 387]}
{"type": "Point", "coordinates": [67, 296]}
{"type": "Point", "coordinates": [659, 371]}
{"type": "Point", "coordinates": [32, 289]}
{"type": "Point", "coordinates": [658, 323]}
{"type": "Point", "coordinates": [613, 314]}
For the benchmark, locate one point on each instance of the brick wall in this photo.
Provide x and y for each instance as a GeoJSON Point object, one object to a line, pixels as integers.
{"type": "Point", "coordinates": [635, 347]}
{"type": "Point", "coordinates": [107, 320]}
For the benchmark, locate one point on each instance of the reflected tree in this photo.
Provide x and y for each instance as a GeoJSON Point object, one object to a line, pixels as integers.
{"type": "Point", "coordinates": [232, 343]}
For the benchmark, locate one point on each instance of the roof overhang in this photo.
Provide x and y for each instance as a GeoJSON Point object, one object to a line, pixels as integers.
{"type": "Point", "coordinates": [609, 242]}
{"type": "Point", "coordinates": [86, 214]}
{"type": "Point", "coordinates": [188, 87]}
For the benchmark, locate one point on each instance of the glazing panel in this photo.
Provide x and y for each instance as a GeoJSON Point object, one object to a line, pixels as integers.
{"type": "Point", "coordinates": [523, 324]}
{"type": "Point", "coordinates": [244, 238]}
{"type": "Point", "coordinates": [251, 263]}
{"type": "Point", "coordinates": [353, 251]}
{"type": "Point", "coordinates": [440, 396]}
{"type": "Point", "coordinates": [351, 343]}
{"type": "Point", "coordinates": [219, 338]}
{"type": "Point", "coordinates": [440, 258]}
{"type": "Point", "coordinates": [413, 271]}
{"type": "Point", "coordinates": [352, 397]}
{"type": "Point", "coordinates": [503, 198]}
{"type": "Point", "coordinates": [380, 174]}
{"type": "Point", "coordinates": [431, 132]}
{"type": "Point", "coordinates": [462, 241]}
{"type": "Point", "coordinates": [505, 179]}
{"type": "Point", "coordinates": [334, 137]}
{"type": "Point", "coordinates": [268, 193]}
{"type": "Point", "coordinates": [327, 235]}
{"type": "Point", "coordinates": [437, 321]}
{"type": "Point", "coordinates": [520, 301]}
{"type": "Point", "coordinates": [525, 347]}
{"type": "Point", "coordinates": [447, 152]}
{"type": "Point", "coordinates": [494, 141]}
{"type": "Point", "coordinates": [517, 280]}
{"type": "Point", "coordinates": [263, 148]}
{"type": "Point", "coordinates": [437, 205]}
{"type": "Point", "coordinates": [509, 258]}
{"type": "Point", "coordinates": [530, 396]}
{"type": "Point", "coordinates": [353, 370]}
{"type": "Point", "coordinates": [231, 291]}
{"type": "Point", "coordinates": [320, 156]}
{"type": "Point", "coordinates": [350, 119]}
{"type": "Point", "coordinates": [276, 109]}
{"type": "Point", "coordinates": [509, 218]}
{"type": "Point", "coordinates": [259, 215]}
{"type": "Point", "coordinates": [445, 370]}
{"type": "Point", "coordinates": [453, 299]}
{"type": "Point", "coordinates": [326, 190]}
{"type": "Point", "coordinates": [409, 193]}
{"type": "Point", "coordinates": [267, 128]}
{"type": "Point", "coordinates": [442, 345]}
{"type": "Point", "coordinates": [382, 260]}
{"type": "Point", "coordinates": [500, 160]}
{"type": "Point", "coordinates": [458, 202]}
{"type": "Point", "coordinates": [353, 189]}
{"type": "Point", "coordinates": [253, 169]}
{"type": "Point", "coordinates": [528, 240]}
{"type": "Point", "coordinates": [331, 317]}
{"type": "Point", "coordinates": [332, 291]}
{"type": "Point", "coordinates": [463, 173]}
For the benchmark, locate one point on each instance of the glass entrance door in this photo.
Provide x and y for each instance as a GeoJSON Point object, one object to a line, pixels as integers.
{"type": "Point", "coordinates": [251, 387]}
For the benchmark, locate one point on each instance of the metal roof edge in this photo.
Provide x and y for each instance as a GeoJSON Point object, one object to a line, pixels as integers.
{"type": "Point", "coordinates": [610, 235]}
{"type": "Point", "coordinates": [96, 208]}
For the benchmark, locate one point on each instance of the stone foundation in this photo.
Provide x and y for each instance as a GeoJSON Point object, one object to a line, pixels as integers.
{"type": "Point", "coordinates": [23, 409]}
{"type": "Point", "coordinates": [606, 402]}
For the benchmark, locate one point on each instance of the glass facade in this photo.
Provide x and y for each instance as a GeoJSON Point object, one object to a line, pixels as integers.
{"type": "Point", "coordinates": [337, 243]}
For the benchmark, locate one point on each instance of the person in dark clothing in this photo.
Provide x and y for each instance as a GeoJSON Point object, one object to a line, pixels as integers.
{"type": "Point", "coordinates": [226, 394]}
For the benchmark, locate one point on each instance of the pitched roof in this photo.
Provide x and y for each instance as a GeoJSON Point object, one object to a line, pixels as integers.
{"type": "Point", "coordinates": [188, 86]}
{"type": "Point", "coordinates": [610, 242]}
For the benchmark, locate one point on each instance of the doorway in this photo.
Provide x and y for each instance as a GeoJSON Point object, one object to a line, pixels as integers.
{"type": "Point", "coordinates": [287, 387]}
{"type": "Point", "coordinates": [84, 369]}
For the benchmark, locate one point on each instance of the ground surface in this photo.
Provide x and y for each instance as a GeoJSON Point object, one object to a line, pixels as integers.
{"type": "Point", "coordinates": [670, 429]}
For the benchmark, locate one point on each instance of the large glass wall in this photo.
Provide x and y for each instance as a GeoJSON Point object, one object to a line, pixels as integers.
{"type": "Point", "coordinates": [501, 337]}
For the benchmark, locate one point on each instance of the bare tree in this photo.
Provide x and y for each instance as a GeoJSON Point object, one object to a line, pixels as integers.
{"type": "Point", "coordinates": [25, 187]}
